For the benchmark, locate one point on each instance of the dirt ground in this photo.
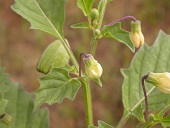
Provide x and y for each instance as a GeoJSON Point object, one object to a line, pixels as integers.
{"type": "Point", "coordinates": [21, 47]}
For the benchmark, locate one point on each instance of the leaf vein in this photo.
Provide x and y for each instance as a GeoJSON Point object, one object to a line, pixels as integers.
{"type": "Point", "coordinates": [57, 34]}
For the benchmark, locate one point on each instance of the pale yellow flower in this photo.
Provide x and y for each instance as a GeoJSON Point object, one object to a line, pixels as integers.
{"type": "Point", "coordinates": [160, 80]}
{"type": "Point", "coordinates": [136, 34]}
{"type": "Point", "coordinates": [92, 68]}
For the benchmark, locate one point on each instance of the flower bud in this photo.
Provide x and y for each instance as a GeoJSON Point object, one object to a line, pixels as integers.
{"type": "Point", "coordinates": [136, 34]}
{"type": "Point", "coordinates": [160, 80]}
{"type": "Point", "coordinates": [97, 32]}
{"type": "Point", "coordinates": [94, 14]}
{"type": "Point", "coordinates": [92, 67]}
{"type": "Point", "coordinates": [151, 117]}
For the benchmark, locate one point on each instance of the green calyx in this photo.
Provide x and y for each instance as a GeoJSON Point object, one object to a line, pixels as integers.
{"type": "Point", "coordinates": [54, 55]}
{"type": "Point", "coordinates": [89, 61]}
{"type": "Point", "coordinates": [92, 67]}
{"type": "Point", "coordinates": [152, 78]}
{"type": "Point", "coordinates": [136, 26]}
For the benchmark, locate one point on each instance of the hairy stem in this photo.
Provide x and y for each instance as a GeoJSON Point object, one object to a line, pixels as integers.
{"type": "Point", "coordinates": [88, 103]}
{"type": "Point", "coordinates": [87, 94]}
{"type": "Point", "coordinates": [94, 47]}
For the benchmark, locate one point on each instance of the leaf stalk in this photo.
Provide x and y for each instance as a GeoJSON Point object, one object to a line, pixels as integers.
{"type": "Point", "coordinates": [123, 18]}
{"type": "Point", "coordinates": [145, 95]}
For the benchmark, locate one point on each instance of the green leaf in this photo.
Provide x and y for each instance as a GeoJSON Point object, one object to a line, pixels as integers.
{"type": "Point", "coordinates": [80, 25]}
{"type": "Point", "coordinates": [101, 124]}
{"type": "Point", "coordinates": [155, 59]}
{"type": "Point", "coordinates": [4, 82]}
{"type": "Point", "coordinates": [20, 108]}
{"type": "Point", "coordinates": [138, 112]}
{"type": "Point", "coordinates": [102, 7]}
{"type": "Point", "coordinates": [46, 15]}
{"type": "Point", "coordinates": [56, 86]}
{"type": "Point", "coordinates": [3, 104]}
{"type": "Point", "coordinates": [4, 86]}
{"type": "Point", "coordinates": [54, 55]}
{"type": "Point", "coordinates": [19, 105]}
{"type": "Point", "coordinates": [98, 81]}
{"type": "Point", "coordinates": [166, 121]}
{"type": "Point", "coordinates": [117, 33]}
{"type": "Point", "coordinates": [85, 6]}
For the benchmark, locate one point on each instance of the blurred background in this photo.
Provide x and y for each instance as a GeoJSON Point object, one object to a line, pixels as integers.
{"type": "Point", "coordinates": [21, 47]}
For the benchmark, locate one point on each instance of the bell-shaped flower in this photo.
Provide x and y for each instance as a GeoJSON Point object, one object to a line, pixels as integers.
{"type": "Point", "coordinates": [136, 34]}
{"type": "Point", "coordinates": [160, 80]}
{"type": "Point", "coordinates": [92, 68]}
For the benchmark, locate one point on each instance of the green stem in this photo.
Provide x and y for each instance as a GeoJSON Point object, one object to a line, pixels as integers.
{"type": "Point", "coordinates": [88, 103]}
{"type": "Point", "coordinates": [86, 85]}
{"type": "Point", "coordinates": [101, 8]}
{"type": "Point", "coordinates": [94, 47]}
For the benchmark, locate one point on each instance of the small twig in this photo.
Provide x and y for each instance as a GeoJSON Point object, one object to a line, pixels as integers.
{"type": "Point", "coordinates": [145, 95]}
{"type": "Point", "coordinates": [123, 18]}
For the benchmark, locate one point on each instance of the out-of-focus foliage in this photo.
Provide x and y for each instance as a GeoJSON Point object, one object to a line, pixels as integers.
{"type": "Point", "coordinates": [4, 82]}
{"type": "Point", "coordinates": [20, 106]}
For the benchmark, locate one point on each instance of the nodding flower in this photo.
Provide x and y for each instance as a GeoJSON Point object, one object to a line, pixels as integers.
{"type": "Point", "coordinates": [92, 68]}
{"type": "Point", "coordinates": [160, 80]}
{"type": "Point", "coordinates": [136, 34]}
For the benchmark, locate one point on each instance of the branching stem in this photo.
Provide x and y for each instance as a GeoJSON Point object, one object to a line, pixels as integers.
{"type": "Point", "coordinates": [100, 20]}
